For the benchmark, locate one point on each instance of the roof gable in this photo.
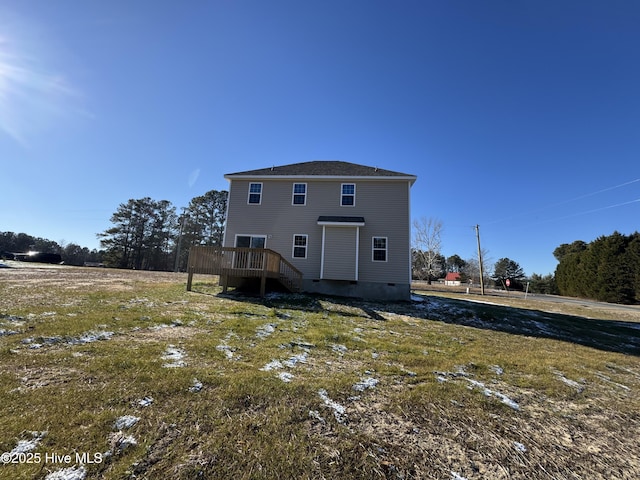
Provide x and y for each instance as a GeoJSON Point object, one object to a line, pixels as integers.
{"type": "Point", "coordinates": [322, 168]}
{"type": "Point", "coordinates": [452, 276]}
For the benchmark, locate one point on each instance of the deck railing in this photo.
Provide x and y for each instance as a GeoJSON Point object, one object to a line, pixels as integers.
{"type": "Point", "coordinates": [243, 262]}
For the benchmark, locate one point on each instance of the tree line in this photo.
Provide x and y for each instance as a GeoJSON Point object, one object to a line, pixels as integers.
{"type": "Point", "coordinates": [146, 234]}
{"type": "Point", "coordinates": [70, 253]}
{"type": "Point", "coordinates": [606, 269]}
{"type": "Point", "coordinates": [149, 234]}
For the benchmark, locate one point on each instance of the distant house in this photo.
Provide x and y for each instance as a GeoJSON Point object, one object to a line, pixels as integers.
{"type": "Point", "coordinates": [344, 227]}
{"type": "Point", "coordinates": [452, 279]}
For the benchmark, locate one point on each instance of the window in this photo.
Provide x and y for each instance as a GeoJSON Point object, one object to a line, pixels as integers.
{"type": "Point", "coordinates": [249, 259]}
{"type": "Point", "coordinates": [348, 198]}
{"type": "Point", "coordinates": [300, 246]}
{"type": "Point", "coordinates": [299, 194]}
{"type": "Point", "coordinates": [251, 241]}
{"type": "Point", "coordinates": [379, 249]}
{"type": "Point", "coordinates": [255, 193]}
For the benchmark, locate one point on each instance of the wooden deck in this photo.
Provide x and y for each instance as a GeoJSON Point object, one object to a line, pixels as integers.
{"type": "Point", "coordinates": [237, 262]}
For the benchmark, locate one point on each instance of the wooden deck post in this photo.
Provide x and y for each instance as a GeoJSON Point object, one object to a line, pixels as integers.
{"type": "Point", "coordinates": [189, 279]}
{"type": "Point", "coordinates": [263, 278]}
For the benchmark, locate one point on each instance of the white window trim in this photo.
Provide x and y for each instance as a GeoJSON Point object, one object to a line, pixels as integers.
{"type": "Point", "coordinates": [306, 245]}
{"type": "Point", "coordinates": [343, 194]}
{"type": "Point", "coordinates": [293, 194]}
{"type": "Point", "coordinates": [386, 249]}
{"type": "Point", "coordinates": [254, 193]}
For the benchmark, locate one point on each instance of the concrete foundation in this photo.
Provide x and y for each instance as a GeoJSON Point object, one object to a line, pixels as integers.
{"type": "Point", "coordinates": [364, 290]}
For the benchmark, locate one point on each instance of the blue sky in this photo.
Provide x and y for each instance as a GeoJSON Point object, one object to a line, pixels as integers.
{"type": "Point", "coordinates": [521, 117]}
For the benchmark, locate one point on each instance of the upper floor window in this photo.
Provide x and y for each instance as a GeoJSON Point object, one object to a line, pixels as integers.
{"type": "Point", "coordinates": [300, 246]}
{"type": "Point", "coordinates": [255, 193]}
{"type": "Point", "coordinates": [348, 198]}
{"type": "Point", "coordinates": [379, 249]}
{"type": "Point", "coordinates": [299, 194]}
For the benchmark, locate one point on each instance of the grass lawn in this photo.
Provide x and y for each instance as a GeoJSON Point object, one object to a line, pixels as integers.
{"type": "Point", "coordinates": [121, 374]}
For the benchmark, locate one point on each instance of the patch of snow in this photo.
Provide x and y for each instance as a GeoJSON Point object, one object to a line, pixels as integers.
{"type": "Point", "coordinates": [160, 326]}
{"type": "Point", "coordinates": [71, 473]}
{"type": "Point", "coordinates": [285, 376]}
{"type": "Point", "coordinates": [123, 441]}
{"type": "Point", "coordinates": [456, 476]}
{"type": "Point", "coordinates": [227, 350]}
{"type": "Point", "coordinates": [496, 369]}
{"type": "Point", "coordinates": [87, 337]}
{"type": "Point", "coordinates": [520, 447]}
{"type": "Point", "coordinates": [25, 446]}
{"type": "Point", "coordinates": [418, 298]}
{"type": "Point", "coordinates": [365, 383]}
{"type": "Point", "coordinates": [341, 349]}
{"type": "Point", "coordinates": [543, 327]}
{"type": "Point", "coordinates": [490, 393]}
{"type": "Point", "coordinates": [90, 337]}
{"type": "Point", "coordinates": [265, 330]}
{"type": "Point", "coordinates": [315, 414]}
{"type": "Point", "coordinates": [174, 357]}
{"type": "Point", "coordinates": [272, 365]}
{"type": "Point", "coordinates": [4, 332]}
{"type": "Point", "coordinates": [292, 361]}
{"type": "Point", "coordinates": [571, 383]}
{"type": "Point", "coordinates": [338, 410]}
{"type": "Point", "coordinates": [300, 343]}
{"type": "Point", "coordinates": [126, 421]}
{"type": "Point", "coordinates": [196, 386]}
{"type": "Point", "coordinates": [145, 402]}
{"type": "Point", "coordinates": [375, 355]}
{"type": "Point", "coordinates": [607, 379]}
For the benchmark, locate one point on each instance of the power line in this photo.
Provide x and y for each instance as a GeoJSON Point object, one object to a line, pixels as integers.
{"type": "Point", "coordinates": [586, 212]}
{"type": "Point", "coordinates": [564, 202]}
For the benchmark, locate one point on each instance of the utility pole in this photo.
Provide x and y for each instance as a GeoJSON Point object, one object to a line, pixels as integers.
{"type": "Point", "coordinates": [480, 259]}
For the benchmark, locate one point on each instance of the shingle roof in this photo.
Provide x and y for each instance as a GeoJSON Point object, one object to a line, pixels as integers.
{"type": "Point", "coordinates": [321, 168]}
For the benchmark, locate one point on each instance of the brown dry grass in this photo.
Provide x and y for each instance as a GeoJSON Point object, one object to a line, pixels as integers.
{"type": "Point", "coordinates": [577, 412]}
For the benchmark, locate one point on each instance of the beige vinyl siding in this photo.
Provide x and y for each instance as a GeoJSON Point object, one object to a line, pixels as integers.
{"type": "Point", "coordinates": [384, 204]}
{"type": "Point", "coordinates": [385, 208]}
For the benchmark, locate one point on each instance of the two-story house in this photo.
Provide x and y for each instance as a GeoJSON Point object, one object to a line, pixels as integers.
{"type": "Point", "coordinates": [346, 227]}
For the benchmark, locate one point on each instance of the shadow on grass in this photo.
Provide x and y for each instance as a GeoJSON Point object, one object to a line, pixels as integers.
{"type": "Point", "coordinates": [608, 335]}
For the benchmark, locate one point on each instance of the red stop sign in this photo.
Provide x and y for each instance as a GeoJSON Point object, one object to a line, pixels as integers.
{"type": "Point", "coordinates": [508, 282]}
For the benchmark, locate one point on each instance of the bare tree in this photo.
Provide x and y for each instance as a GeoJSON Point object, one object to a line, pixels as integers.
{"type": "Point", "coordinates": [472, 269]}
{"type": "Point", "coordinates": [427, 242]}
